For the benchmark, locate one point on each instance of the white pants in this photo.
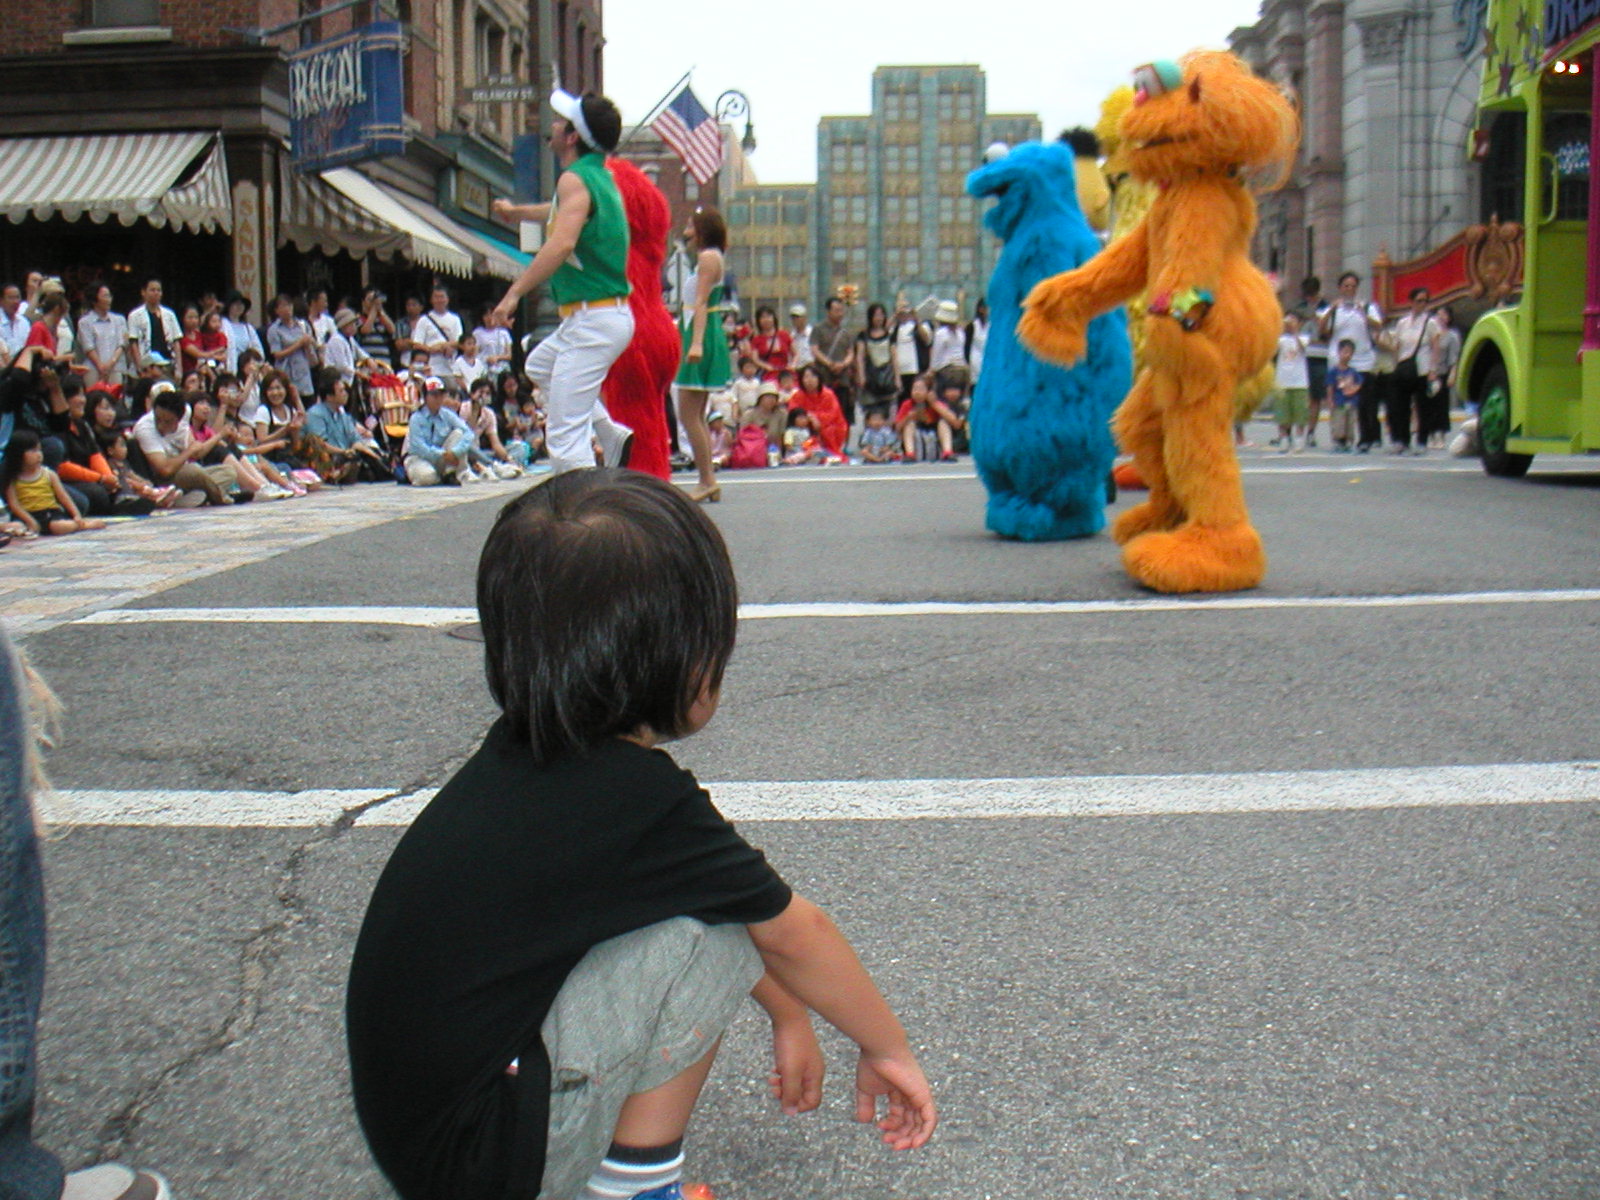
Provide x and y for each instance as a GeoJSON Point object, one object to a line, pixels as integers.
{"type": "Point", "coordinates": [569, 366]}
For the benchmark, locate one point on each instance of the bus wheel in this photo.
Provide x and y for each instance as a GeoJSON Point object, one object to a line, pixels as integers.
{"type": "Point", "coordinates": [1494, 425]}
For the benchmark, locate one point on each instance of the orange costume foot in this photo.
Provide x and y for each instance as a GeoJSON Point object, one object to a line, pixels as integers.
{"type": "Point", "coordinates": [1197, 558]}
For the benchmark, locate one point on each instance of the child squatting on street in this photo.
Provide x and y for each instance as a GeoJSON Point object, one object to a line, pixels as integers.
{"type": "Point", "coordinates": [558, 942]}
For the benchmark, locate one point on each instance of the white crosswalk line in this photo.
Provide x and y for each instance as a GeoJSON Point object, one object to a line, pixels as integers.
{"type": "Point", "coordinates": [912, 799]}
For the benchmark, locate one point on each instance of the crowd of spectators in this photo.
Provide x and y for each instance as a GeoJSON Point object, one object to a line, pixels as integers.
{"type": "Point", "coordinates": [106, 415]}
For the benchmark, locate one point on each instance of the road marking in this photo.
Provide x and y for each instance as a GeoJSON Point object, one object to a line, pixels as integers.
{"type": "Point", "coordinates": [913, 799]}
{"type": "Point", "coordinates": [435, 618]}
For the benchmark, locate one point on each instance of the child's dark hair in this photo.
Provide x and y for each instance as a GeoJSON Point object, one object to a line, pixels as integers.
{"type": "Point", "coordinates": [608, 603]}
{"type": "Point", "coordinates": [22, 440]}
{"type": "Point", "coordinates": [796, 415]}
{"type": "Point", "coordinates": [1343, 342]}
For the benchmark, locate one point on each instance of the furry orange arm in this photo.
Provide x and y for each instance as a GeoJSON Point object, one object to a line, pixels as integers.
{"type": "Point", "coordinates": [1056, 314]}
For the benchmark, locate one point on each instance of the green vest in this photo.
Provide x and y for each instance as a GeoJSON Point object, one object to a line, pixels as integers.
{"type": "Point", "coordinates": [597, 269]}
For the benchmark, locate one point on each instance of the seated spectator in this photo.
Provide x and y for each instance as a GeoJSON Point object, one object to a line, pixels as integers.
{"type": "Point", "coordinates": [721, 439]}
{"type": "Point", "coordinates": [105, 416]}
{"type": "Point", "coordinates": [28, 388]}
{"type": "Point", "coordinates": [33, 492]}
{"type": "Point", "coordinates": [439, 446]}
{"type": "Point", "coordinates": [926, 424]}
{"type": "Point", "coordinates": [768, 412]}
{"type": "Point", "coordinates": [788, 384]}
{"type": "Point", "coordinates": [747, 387]}
{"type": "Point", "coordinates": [823, 405]}
{"type": "Point", "coordinates": [801, 444]}
{"type": "Point", "coordinates": [333, 445]}
{"type": "Point", "coordinates": [83, 470]}
{"type": "Point", "coordinates": [879, 442]}
{"type": "Point", "coordinates": [249, 378]}
{"type": "Point", "coordinates": [416, 377]}
{"type": "Point", "coordinates": [134, 495]}
{"type": "Point", "coordinates": [480, 417]}
{"type": "Point", "coordinates": [248, 479]}
{"type": "Point", "coordinates": [524, 422]}
{"type": "Point", "coordinates": [171, 454]}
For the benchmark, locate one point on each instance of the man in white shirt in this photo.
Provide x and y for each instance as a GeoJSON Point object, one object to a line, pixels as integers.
{"type": "Point", "coordinates": [172, 452]}
{"type": "Point", "coordinates": [439, 332]}
{"type": "Point", "coordinates": [1349, 319]}
{"type": "Point", "coordinates": [103, 335]}
{"type": "Point", "coordinates": [800, 335]}
{"type": "Point", "coordinates": [13, 324]}
{"type": "Point", "coordinates": [1416, 351]}
{"type": "Point", "coordinates": [317, 316]}
{"type": "Point", "coordinates": [153, 327]}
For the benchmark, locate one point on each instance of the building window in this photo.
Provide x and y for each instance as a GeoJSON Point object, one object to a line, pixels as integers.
{"type": "Point", "coordinates": [858, 209]}
{"type": "Point", "coordinates": [691, 189]}
{"type": "Point", "coordinates": [893, 262]}
{"type": "Point", "coordinates": [858, 262]}
{"type": "Point", "coordinates": [841, 262]}
{"type": "Point", "coordinates": [913, 260]}
{"type": "Point", "coordinates": [858, 157]}
{"type": "Point", "coordinates": [947, 156]}
{"type": "Point", "coordinates": [891, 106]}
{"type": "Point", "coordinates": [839, 157]}
{"type": "Point", "coordinates": [964, 260]}
{"type": "Point", "coordinates": [121, 14]}
{"type": "Point", "coordinates": [766, 213]}
{"type": "Point", "coordinates": [963, 106]}
{"type": "Point", "coordinates": [739, 259]}
{"type": "Point", "coordinates": [839, 209]}
{"type": "Point", "coordinates": [913, 159]}
{"type": "Point", "coordinates": [766, 261]}
{"type": "Point", "coordinates": [794, 260]}
{"type": "Point", "coordinates": [913, 210]}
{"type": "Point", "coordinates": [911, 108]}
{"type": "Point", "coordinates": [947, 106]}
{"type": "Point", "coordinates": [947, 209]}
{"type": "Point", "coordinates": [739, 212]}
{"type": "Point", "coordinates": [891, 160]}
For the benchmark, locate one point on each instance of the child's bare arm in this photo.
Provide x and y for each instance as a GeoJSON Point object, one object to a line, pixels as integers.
{"type": "Point", "coordinates": [18, 511]}
{"type": "Point", "coordinates": [807, 954]}
{"type": "Point", "coordinates": [798, 1067]}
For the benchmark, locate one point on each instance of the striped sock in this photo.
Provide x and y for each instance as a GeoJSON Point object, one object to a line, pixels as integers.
{"type": "Point", "coordinates": [629, 1171]}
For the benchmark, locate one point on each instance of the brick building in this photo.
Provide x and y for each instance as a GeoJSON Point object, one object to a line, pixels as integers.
{"type": "Point", "coordinates": [173, 93]}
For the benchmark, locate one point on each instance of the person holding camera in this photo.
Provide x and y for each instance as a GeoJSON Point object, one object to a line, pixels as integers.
{"type": "Point", "coordinates": [375, 332]}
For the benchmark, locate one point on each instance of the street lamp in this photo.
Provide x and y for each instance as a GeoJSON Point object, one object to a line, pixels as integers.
{"type": "Point", "coordinates": [732, 105]}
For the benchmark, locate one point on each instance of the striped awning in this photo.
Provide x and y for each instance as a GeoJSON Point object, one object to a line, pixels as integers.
{"type": "Point", "coordinates": [489, 256]}
{"type": "Point", "coordinates": [425, 244]}
{"type": "Point", "coordinates": [164, 178]}
{"type": "Point", "coordinates": [316, 217]}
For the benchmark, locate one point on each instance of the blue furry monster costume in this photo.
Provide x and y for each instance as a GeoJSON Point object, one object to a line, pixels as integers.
{"type": "Point", "coordinates": [1041, 434]}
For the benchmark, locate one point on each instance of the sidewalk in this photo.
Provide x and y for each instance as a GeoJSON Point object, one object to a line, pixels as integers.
{"type": "Point", "coordinates": [51, 581]}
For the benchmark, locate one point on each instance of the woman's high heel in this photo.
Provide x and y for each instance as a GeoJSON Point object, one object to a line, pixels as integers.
{"type": "Point", "coordinates": [707, 495]}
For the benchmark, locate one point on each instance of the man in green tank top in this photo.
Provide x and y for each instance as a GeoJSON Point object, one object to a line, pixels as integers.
{"type": "Point", "coordinates": [584, 259]}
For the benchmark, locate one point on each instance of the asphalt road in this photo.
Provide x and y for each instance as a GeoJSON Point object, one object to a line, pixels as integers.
{"type": "Point", "coordinates": [1395, 1000]}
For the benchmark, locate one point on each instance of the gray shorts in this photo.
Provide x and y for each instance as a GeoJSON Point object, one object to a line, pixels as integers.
{"type": "Point", "coordinates": [639, 1010]}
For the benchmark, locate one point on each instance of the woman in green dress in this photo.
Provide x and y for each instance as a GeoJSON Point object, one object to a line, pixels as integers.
{"type": "Point", "coordinates": [705, 365]}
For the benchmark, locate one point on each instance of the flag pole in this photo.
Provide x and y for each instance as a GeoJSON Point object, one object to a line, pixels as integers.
{"type": "Point", "coordinates": [671, 94]}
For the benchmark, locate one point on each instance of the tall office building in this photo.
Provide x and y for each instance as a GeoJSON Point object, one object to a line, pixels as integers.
{"type": "Point", "coordinates": [893, 216]}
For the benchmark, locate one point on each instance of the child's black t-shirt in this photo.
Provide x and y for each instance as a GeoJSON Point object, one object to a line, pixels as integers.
{"type": "Point", "coordinates": [494, 894]}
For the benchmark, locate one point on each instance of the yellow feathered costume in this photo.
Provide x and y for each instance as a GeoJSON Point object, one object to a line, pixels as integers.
{"type": "Point", "coordinates": [1193, 131]}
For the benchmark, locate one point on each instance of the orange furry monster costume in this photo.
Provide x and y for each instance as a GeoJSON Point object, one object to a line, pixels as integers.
{"type": "Point", "coordinates": [1193, 131]}
{"type": "Point", "coordinates": [636, 386]}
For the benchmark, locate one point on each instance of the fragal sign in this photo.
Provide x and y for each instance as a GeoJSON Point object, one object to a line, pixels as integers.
{"type": "Point", "coordinates": [346, 99]}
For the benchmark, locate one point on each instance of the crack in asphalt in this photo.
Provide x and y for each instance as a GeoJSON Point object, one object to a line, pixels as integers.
{"type": "Point", "coordinates": [260, 954]}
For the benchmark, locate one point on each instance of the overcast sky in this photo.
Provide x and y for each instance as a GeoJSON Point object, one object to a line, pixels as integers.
{"type": "Point", "coordinates": [799, 61]}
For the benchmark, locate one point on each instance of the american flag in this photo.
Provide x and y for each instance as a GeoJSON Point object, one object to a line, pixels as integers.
{"type": "Point", "coordinates": [690, 130]}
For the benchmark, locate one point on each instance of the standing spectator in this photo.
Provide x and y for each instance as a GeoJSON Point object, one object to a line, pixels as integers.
{"type": "Point", "coordinates": [770, 346]}
{"type": "Point", "coordinates": [799, 336]}
{"type": "Point", "coordinates": [977, 338]}
{"type": "Point", "coordinates": [1290, 382]}
{"type": "Point", "coordinates": [153, 328]}
{"type": "Point", "coordinates": [205, 347]}
{"type": "Point", "coordinates": [705, 355]}
{"type": "Point", "coordinates": [317, 316]}
{"type": "Point", "coordinates": [1309, 311]}
{"type": "Point", "coordinates": [1447, 352]}
{"type": "Point", "coordinates": [1344, 397]}
{"type": "Point", "coordinates": [834, 352]}
{"type": "Point", "coordinates": [913, 342]}
{"type": "Point", "coordinates": [292, 345]}
{"type": "Point", "coordinates": [241, 334]}
{"type": "Point", "coordinates": [376, 333]}
{"type": "Point", "coordinates": [439, 332]}
{"type": "Point", "coordinates": [31, 283]}
{"type": "Point", "coordinates": [822, 404]}
{"type": "Point", "coordinates": [103, 340]}
{"type": "Point", "coordinates": [1416, 338]}
{"type": "Point", "coordinates": [405, 330]}
{"type": "Point", "coordinates": [948, 360]}
{"type": "Point", "coordinates": [469, 366]}
{"type": "Point", "coordinates": [876, 377]}
{"type": "Point", "coordinates": [494, 345]}
{"type": "Point", "coordinates": [1349, 319]}
{"type": "Point", "coordinates": [14, 325]}
{"type": "Point", "coordinates": [50, 311]}
{"type": "Point", "coordinates": [340, 351]}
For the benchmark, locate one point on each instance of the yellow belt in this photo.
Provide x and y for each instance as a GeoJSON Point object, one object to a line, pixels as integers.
{"type": "Point", "coordinates": [566, 310]}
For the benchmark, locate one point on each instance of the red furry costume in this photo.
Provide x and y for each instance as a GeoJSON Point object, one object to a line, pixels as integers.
{"type": "Point", "coordinates": [636, 387]}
